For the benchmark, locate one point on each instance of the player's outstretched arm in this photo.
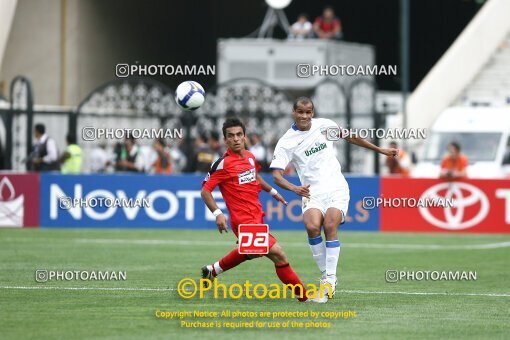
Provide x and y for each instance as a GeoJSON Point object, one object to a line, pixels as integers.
{"type": "Point", "coordinates": [366, 144]}
{"type": "Point", "coordinates": [267, 188]}
{"type": "Point", "coordinates": [283, 183]}
{"type": "Point", "coordinates": [221, 220]}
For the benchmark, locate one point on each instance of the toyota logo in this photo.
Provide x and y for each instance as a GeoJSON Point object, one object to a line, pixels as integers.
{"type": "Point", "coordinates": [456, 191]}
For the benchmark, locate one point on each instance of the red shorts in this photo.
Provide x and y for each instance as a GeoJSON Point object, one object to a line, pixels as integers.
{"type": "Point", "coordinates": [235, 229]}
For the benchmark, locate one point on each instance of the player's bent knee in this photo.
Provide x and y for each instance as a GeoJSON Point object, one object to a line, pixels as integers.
{"type": "Point", "coordinates": [276, 254]}
{"type": "Point", "coordinates": [333, 223]}
{"type": "Point", "coordinates": [313, 228]}
{"type": "Point", "coordinates": [276, 249]}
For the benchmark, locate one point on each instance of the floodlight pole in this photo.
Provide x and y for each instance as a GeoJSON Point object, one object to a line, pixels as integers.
{"type": "Point", "coordinates": [271, 19]}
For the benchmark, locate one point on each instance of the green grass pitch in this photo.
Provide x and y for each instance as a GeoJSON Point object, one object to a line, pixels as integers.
{"type": "Point", "coordinates": [156, 260]}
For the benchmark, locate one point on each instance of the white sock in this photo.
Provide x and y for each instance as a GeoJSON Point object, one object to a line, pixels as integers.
{"type": "Point", "coordinates": [318, 248]}
{"type": "Point", "coordinates": [217, 268]}
{"type": "Point", "coordinates": [332, 255]}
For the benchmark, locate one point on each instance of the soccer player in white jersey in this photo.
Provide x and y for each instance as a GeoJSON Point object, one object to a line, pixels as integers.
{"type": "Point", "coordinates": [308, 145]}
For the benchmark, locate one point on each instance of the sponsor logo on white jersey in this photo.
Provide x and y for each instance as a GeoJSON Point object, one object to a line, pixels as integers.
{"type": "Point", "coordinates": [314, 149]}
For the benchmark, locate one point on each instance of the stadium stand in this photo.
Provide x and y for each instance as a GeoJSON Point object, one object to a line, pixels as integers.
{"type": "Point", "coordinates": [471, 53]}
{"type": "Point", "coordinates": [492, 84]}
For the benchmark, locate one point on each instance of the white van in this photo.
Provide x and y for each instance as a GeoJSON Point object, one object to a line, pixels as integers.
{"type": "Point", "coordinates": [484, 137]}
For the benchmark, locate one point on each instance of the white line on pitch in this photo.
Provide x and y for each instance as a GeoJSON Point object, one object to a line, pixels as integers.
{"type": "Point", "coordinates": [423, 293]}
{"type": "Point", "coordinates": [88, 288]}
{"type": "Point", "coordinates": [298, 244]}
{"type": "Point", "coordinates": [174, 289]}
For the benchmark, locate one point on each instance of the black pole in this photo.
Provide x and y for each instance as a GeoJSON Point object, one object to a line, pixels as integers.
{"type": "Point", "coordinates": [30, 116]}
{"type": "Point", "coordinates": [404, 56]}
{"type": "Point", "coordinates": [16, 108]}
{"type": "Point", "coordinates": [348, 120]}
{"type": "Point", "coordinates": [72, 124]}
{"type": "Point", "coordinates": [377, 124]}
{"type": "Point", "coordinates": [8, 139]}
{"type": "Point", "coordinates": [188, 120]}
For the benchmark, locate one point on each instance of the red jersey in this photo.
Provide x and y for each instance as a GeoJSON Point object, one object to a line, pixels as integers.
{"type": "Point", "coordinates": [328, 26]}
{"type": "Point", "coordinates": [237, 179]}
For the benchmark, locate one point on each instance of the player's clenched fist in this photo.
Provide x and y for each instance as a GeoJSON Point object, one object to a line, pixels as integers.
{"type": "Point", "coordinates": [221, 222]}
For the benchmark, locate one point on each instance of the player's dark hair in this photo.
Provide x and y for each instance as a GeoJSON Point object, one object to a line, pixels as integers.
{"type": "Point", "coordinates": [303, 15]}
{"type": "Point", "coordinates": [456, 145]}
{"type": "Point", "coordinates": [231, 122]}
{"type": "Point", "coordinates": [40, 128]}
{"type": "Point", "coordinates": [304, 100]}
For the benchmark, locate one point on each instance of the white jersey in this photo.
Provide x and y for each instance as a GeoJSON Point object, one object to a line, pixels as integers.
{"type": "Point", "coordinates": [313, 156]}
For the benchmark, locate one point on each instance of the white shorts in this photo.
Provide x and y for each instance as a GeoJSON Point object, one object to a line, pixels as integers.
{"type": "Point", "coordinates": [335, 199]}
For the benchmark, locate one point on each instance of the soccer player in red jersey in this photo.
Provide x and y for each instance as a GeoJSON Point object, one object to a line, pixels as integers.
{"type": "Point", "coordinates": [236, 174]}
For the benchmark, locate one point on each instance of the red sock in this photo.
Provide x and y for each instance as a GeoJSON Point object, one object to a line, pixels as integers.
{"type": "Point", "coordinates": [288, 276]}
{"type": "Point", "coordinates": [231, 260]}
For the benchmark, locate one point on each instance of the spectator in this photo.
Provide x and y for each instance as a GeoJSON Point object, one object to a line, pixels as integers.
{"type": "Point", "coordinates": [215, 145]}
{"type": "Point", "coordinates": [71, 159]}
{"type": "Point", "coordinates": [259, 151]}
{"type": "Point", "coordinates": [44, 156]}
{"type": "Point", "coordinates": [203, 156]}
{"type": "Point", "coordinates": [301, 29]}
{"type": "Point", "coordinates": [163, 163]}
{"type": "Point", "coordinates": [454, 164]}
{"type": "Point", "coordinates": [400, 164]}
{"type": "Point", "coordinates": [128, 156]}
{"type": "Point", "coordinates": [99, 159]}
{"type": "Point", "coordinates": [179, 159]}
{"type": "Point", "coordinates": [328, 26]}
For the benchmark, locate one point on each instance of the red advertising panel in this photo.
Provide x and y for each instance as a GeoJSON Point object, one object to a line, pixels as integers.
{"type": "Point", "coordinates": [19, 200]}
{"type": "Point", "coordinates": [477, 206]}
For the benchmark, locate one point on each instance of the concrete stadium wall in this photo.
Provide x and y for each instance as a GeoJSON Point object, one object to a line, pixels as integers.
{"type": "Point", "coordinates": [67, 48]}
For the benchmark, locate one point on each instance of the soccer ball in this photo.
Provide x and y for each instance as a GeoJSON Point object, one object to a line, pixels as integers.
{"type": "Point", "coordinates": [189, 95]}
